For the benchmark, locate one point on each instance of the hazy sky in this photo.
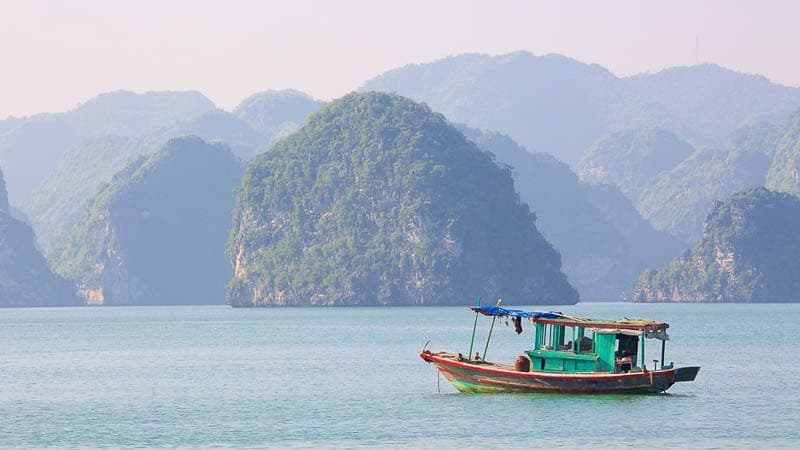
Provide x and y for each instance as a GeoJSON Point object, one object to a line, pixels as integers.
{"type": "Point", "coordinates": [56, 54]}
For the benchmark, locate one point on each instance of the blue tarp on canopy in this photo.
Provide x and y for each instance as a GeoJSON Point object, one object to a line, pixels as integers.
{"type": "Point", "coordinates": [500, 312]}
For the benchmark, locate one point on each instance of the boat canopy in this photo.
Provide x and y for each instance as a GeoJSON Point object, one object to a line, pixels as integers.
{"type": "Point", "coordinates": [656, 334]}
{"type": "Point", "coordinates": [502, 312]}
{"type": "Point", "coordinates": [648, 327]}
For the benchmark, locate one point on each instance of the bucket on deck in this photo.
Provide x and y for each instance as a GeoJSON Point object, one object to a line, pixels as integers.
{"type": "Point", "coordinates": [522, 364]}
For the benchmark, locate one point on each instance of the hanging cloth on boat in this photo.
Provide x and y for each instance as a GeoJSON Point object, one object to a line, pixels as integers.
{"type": "Point", "coordinates": [518, 324]}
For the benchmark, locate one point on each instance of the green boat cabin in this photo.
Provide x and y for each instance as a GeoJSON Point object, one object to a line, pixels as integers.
{"type": "Point", "coordinates": [575, 345]}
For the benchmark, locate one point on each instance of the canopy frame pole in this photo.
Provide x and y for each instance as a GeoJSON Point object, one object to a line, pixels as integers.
{"type": "Point", "coordinates": [474, 326]}
{"type": "Point", "coordinates": [663, 347]}
{"type": "Point", "coordinates": [643, 361]}
{"type": "Point", "coordinates": [486, 347]}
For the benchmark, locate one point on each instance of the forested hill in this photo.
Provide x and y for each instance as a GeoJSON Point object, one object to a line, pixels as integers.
{"type": "Point", "coordinates": [750, 252]}
{"type": "Point", "coordinates": [156, 233]}
{"type": "Point", "coordinates": [378, 200]}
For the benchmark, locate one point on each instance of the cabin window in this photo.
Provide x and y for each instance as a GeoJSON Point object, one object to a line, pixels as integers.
{"type": "Point", "coordinates": [573, 339]}
{"type": "Point", "coordinates": [548, 336]}
{"type": "Point", "coordinates": [583, 343]}
{"type": "Point", "coordinates": [564, 339]}
{"type": "Point", "coordinates": [626, 352]}
{"type": "Point", "coordinates": [558, 337]}
{"type": "Point", "coordinates": [627, 345]}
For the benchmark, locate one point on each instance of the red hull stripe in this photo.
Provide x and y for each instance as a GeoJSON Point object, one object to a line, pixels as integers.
{"type": "Point", "coordinates": [669, 373]}
{"type": "Point", "coordinates": [541, 385]}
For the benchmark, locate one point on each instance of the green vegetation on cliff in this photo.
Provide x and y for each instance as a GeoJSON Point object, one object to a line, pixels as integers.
{"type": "Point", "coordinates": [378, 200]}
{"type": "Point", "coordinates": [750, 252]}
{"type": "Point", "coordinates": [156, 233]}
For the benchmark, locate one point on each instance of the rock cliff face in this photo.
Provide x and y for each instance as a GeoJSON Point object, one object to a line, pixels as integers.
{"type": "Point", "coordinates": [750, 252]}
{"type": "Point", "coordinates": [378, 201]}
{"type": "Point", "coordinates": [25, 278]}
{"type": "Point", "coordinates": [156, 233]}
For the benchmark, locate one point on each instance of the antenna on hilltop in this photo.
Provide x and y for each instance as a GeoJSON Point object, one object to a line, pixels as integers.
{"type": "Point", "coordinates": [696, 49]}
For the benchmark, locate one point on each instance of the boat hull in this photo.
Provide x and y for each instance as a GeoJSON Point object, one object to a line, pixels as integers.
{"type": "Point", "coordinates": [489, 378]}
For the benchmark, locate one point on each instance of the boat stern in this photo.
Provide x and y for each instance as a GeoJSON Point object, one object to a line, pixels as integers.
{"type": "Point", "coordinates": [686, 373]}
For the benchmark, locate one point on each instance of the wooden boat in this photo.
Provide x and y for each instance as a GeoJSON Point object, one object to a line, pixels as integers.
{"type": "Point", "coordinates": [600, 357]}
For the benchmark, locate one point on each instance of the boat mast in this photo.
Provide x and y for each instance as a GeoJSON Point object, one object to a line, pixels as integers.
{"type": "Point", "coordinates": [474, 326]}
{"type": "Point", "coordinates": [486, 347]}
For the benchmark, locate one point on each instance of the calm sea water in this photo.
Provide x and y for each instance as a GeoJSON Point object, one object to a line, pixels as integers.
{"type": "Point", "coordinates": [217, 376]}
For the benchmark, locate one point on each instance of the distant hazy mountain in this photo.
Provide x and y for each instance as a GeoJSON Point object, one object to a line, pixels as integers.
{"type": "Point", "coordinates": [679, 199]}
{"type": "Point", "coordinates": [214, 125]}
{"type": "Point", "coordinates": [761, 137]}
{"type": "Point", "coordinates": [55, 204]}
{"type": "Point", "coordinates": [750, 252]}
{"type": "Point", "coordinates": [671, 184]}
{"type": "Point", "coordinates": [25, 278]}
{"type": "Point", "coordinates": [631, 159]}
{"type": "Point", "coordinates": [30, 151]}
{"type": "Point", "coordinates": [378, 200]}
{"type": "Point", "coordinates": [156, 233]}
{"type": "Point", "coordinates": [555, 103]}
{"type": "Point", "coordinates": [11, 123]}
{"type": "Point", "coordinates": [784, 174]}
{"type": "Point", "coordinates": [543, 102]}
{"type": "Point", "coordinates": [604, 242]}
{"type": "Point", "coordinates": [276, 114]}
{"type": "Point", "coordinates": [717, 100]}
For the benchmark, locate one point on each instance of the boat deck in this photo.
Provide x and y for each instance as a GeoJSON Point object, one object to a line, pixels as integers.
{"type": "Point", "coordinates": [480, 363]}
